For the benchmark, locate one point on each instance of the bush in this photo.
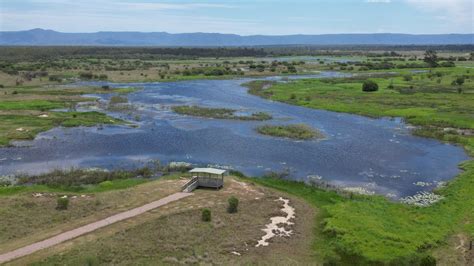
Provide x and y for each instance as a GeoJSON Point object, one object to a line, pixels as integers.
{"type": "Point", "coordinates": [62, 203]}
{"type": "Point", "coordinates": [458, 81]}
{"type": "Point", "coordinates": [428, 261]}
{"type": "Point", "coordinates": [206, 215]}
{"type": "Point", "coordinates": [233, 204]}
{"type": "Point", "coordinates": [86, 75]}
{"type": "Point", "coordinates": [370, 86]}
{"type": "Point", "coordinates": [56, 78]}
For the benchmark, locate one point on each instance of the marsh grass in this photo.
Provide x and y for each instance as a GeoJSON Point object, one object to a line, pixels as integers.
{"type": "Point", "coordinates": [219, 113]}
{"type": "Point", "coordinates": [20, 113]}
{"type": "Point", "coordinates": [78, 177]}
{"type": "Point", "coordinates": [294, 131]}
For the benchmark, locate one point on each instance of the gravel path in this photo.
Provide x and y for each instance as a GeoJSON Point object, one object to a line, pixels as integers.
{"type": "Point", "coordinates": [89, 228]}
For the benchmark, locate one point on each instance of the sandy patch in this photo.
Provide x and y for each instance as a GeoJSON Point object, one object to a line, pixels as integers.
{"type": "Point", "coordinates": [277, 225]}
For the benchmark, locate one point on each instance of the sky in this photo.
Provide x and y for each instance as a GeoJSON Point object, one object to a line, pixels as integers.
{"type": "Point", "coordinates": [242, 17]}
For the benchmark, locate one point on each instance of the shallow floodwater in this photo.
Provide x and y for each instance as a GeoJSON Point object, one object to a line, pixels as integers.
{"type": "Point", "coordinates": [378, 155]}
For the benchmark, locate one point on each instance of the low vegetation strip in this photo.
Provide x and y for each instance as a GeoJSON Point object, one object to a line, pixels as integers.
{"type": "Point", "coordinates": [218, 113]}
{"type": "Point", "coordinates": [295, 131]}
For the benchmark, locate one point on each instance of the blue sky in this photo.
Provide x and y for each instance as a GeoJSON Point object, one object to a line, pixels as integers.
{"type": "Point", "coordinates": [241, 17]}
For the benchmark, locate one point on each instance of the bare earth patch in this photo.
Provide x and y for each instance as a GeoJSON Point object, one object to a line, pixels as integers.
{"type": "Point", "coordinates": [277, 225]}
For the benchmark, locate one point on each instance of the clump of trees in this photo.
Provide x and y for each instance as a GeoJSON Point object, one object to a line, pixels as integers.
{"type": "Point", "coordinates": [370, 86]}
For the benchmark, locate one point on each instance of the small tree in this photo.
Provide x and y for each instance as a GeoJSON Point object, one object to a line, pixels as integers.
{"type": "Point", "coordinates": [233, 204]}
{"type": "Point", "coordinates": [206, 215]}
{"type": "Point", "coordinates": [431, 58]}
{"type": "Point", "coordinates": [369, 86]}
{"type": "Point", "coordinates": [62, 203]}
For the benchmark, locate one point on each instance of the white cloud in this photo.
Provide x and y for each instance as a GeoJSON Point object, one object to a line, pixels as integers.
{"type": "Point", "coordinates": [458, 11]}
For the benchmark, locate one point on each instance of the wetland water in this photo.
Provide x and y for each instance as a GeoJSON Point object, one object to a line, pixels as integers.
{"type": "Point", "coordinates": [378, 155]}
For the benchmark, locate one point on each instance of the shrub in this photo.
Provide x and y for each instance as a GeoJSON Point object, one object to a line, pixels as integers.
{"type": "Point", "coordinates": [206, 215]}
{"type": "Point", "coordinates": [407, 77]}
{"type": "Point", "coordinates": [92, 261]}
{"type": "Point", "coordinates": [86, 75]}
{"type": "Point", "coordinates": [107, 183]}
{"type": "Point", "coordinates": [233, 204]}
{"type": "Point", "coordinates": [370, 86]}
{"type": "Point", "coordinates": [62, 203]}
{"type": "Point", "coordinates": [448, 64]}
{"type": "Point", "coordinates": [428, 261]}
{"type": "Point", "coordinates": [458, 81]}
{"type": "Point", "coordinates": [56, 78]}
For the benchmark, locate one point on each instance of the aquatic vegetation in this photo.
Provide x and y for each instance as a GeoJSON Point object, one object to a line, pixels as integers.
{"type": "Point", "coordinates": [295, 131]}
{"type": "Point", "coordinates": [118, 99]}
{"type": "Point", "coordinates": [218, 113]}
{"type": "Point", "coordinates": [359, 190]}
{"type": "Point", "coordinates": [422, 199]}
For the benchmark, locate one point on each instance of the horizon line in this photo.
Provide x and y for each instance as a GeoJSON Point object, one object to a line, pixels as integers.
{"type": "Point", "coordinates": [250, 35]}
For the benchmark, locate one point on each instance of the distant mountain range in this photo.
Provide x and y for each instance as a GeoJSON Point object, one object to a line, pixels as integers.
{"type": "Point", "coordinates": [50, 37]}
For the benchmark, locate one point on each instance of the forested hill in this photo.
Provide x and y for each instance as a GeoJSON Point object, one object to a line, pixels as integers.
{"type": "Point", "coordinates": [49, 37]}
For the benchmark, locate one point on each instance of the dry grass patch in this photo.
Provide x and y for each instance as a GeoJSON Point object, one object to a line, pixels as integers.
{"type": "Point", "coordinates": [175, 234]}
{"type": "Point", "coordinates": [28, 217]}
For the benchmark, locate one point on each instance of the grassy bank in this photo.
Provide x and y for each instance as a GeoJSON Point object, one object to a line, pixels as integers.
{"type": "Point", "coordinates": [218, 113]}
{"type": "Point", "coordinates": [296, 131]}
{"type": "Point", "coordinates": [372, 229]}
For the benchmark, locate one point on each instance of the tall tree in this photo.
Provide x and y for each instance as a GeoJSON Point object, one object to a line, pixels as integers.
{"type": "Point", "coordinates": [431, 58]}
